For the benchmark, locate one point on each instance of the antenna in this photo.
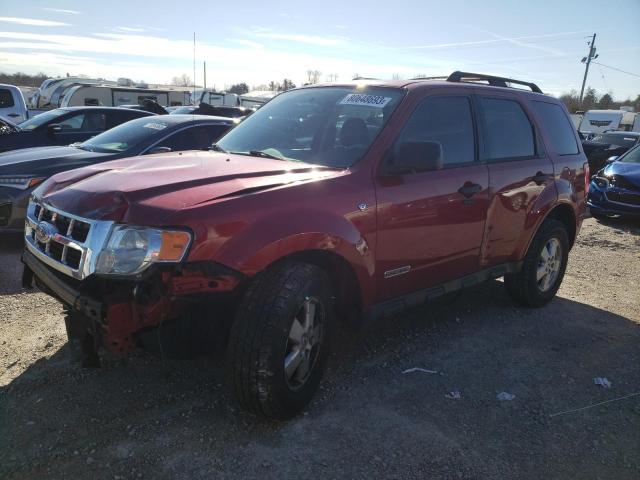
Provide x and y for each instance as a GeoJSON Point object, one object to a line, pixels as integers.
{"type": "Point", "coordinates": [194, 67]}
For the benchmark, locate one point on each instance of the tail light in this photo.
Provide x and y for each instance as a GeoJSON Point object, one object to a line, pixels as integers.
{"type": "Point", "coordinates": [587, 178]}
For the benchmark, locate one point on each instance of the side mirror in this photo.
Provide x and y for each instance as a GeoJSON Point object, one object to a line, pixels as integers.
{"type": "Point", "coordinates": [54, 128]}
{"type": "Point", "coordinates": [159, 150]}
{"type": "Point", "coordinates": [415, 157]}
{"type": "Point", "coordinates": [613, 159]}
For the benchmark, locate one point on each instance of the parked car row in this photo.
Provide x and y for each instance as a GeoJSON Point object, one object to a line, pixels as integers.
{"type": "Point", "coordinates": [331, 203]}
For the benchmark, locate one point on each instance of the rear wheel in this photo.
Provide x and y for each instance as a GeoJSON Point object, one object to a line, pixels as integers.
{"type": "Point", "coordinates": [543, 266]}
{"type": "Point", "coordinates": [279, 342]}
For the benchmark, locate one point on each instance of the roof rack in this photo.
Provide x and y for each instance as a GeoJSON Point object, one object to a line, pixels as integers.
{"type": "Point", "coordinates": [490, 79]}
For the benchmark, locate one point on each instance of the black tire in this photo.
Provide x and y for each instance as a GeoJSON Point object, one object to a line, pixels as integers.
{"type": "Point", "coordinates": [82, 348]}
{"type": "Point", "coordinates": [523, 286]}
{"type": "Point", "coordinates": [260, 336]}
{"type": "Point", "coordinates": [598, 216]}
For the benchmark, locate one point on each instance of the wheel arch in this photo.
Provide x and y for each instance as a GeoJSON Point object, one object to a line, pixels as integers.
{"type": "Point", "coordinates": [565, 214]}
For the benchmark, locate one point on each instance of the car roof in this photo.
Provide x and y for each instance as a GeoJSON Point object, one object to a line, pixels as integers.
{"type": "Point", "coordinates": [175, 118]}
{"type": "Point", "coordinates": [119, 109]}
{"type": "Point", "coordinates": [456, 79]}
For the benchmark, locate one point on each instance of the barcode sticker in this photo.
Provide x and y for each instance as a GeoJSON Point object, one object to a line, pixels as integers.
{"type": "Point", "coordinates": [366, 100]}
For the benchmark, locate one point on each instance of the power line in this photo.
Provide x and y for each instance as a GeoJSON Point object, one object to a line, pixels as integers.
{"type": "Point", "coordinates": [617, 69]}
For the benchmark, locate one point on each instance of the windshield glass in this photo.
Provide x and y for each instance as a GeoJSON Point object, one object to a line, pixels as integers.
{"type": "Point", "coordinates": [331, 126]}
{"type": "Point", "coordinates": [41, 119]}
{"type": "Point", "coordinates": [183, 110]}
{"type": "Point", "coordinates": [621, 140]}
{"type": "Point", "coordinates": [632, 156]}
{"type": "Point", "coordinates": [125, 136]}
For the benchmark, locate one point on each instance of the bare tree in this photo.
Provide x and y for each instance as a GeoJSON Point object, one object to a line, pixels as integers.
{"type": "Point", "coordinates": [183, 80]}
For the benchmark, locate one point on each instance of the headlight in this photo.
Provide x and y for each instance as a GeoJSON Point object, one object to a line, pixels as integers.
{"type": "Point", "coordinates": [20, 182]}
{"type": "Point", "coordinates": [601, 182]}
{"type": "Point", "coordinates": [130, 250]}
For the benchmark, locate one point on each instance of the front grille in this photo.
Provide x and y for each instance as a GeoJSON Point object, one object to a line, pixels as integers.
{"type": "Point", "coordinates": [66, 245]}
{"type": "Point", "coordinates": [621, 181]}
{"type": "Point", "coordinates": [628, 198]}
{"type": "Point", "coordinates": [5, 214]}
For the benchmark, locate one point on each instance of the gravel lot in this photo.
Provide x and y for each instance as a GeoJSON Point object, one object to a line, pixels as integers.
{"type": "Point", "coordinates": [145, 418]}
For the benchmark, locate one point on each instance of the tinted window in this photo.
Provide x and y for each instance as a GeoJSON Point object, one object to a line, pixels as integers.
{"type": "Point", "coordinates": [84, 122]}
{"type": "Point", "coordinates": [6, 99]}
{"type": "Point", "coordinates": [633, 156]}
{"type": "Point", "coordinates": [509, 133]}
{"type": "Point", "coordinates": [194, 138]}
{"type": "Point", "coordinates": [559, 130]}
{"type": "Point", "coordinates": [446, 120]}
{"type": "Point", "coordinates": [41, 119]}
{"type": "Point", "coordinates": [619, 140]}
{"type": "Point", "coordinates": [126, 136]}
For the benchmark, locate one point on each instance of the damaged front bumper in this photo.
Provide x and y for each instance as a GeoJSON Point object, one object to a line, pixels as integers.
{"type": "Point", "coordinates": [118, 309]}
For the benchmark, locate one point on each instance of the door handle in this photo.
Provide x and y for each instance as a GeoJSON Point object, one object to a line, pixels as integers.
{"type": "Point", "coordinates": [469, 189]}
{"type": "Point", "coordinates": [13, 114]}
{"type": "Point", "coordinates": [540, 178]}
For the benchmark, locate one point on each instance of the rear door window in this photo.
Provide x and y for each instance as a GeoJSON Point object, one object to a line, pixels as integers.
{"type": "Point", "coordinates": [508, 131]}
{"type": "Point", "coordinates": [557, 127]}
{"type": "Point", "coordinates": [84, 122]}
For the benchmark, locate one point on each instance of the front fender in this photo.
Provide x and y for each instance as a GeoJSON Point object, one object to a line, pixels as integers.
{"type": "Point", "coordinates": [261, 243]}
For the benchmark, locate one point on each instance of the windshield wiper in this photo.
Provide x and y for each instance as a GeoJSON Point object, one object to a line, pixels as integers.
{"type": "Point", "coordinates": [217, 148]}
{"type": "Point", "coordinates": [260, 153]}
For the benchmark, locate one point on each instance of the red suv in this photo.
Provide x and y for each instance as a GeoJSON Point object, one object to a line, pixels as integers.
{"type": "Point", "coordinates": [335, 203]}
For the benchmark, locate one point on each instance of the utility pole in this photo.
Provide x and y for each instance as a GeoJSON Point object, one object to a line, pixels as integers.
{"type": "Point", "coordinates": [587, 60]}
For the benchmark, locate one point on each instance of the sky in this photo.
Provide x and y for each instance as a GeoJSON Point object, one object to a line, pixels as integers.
{"type": "Point", "coordinates": [541, 41]}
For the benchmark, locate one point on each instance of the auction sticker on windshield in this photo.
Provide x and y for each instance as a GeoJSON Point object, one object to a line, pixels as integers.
{"type": "Point", "coordinates": [155, 126]}
{"type": "Point", "coordinates": [366, 100]}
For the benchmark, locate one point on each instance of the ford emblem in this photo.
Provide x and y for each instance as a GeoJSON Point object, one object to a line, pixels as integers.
{"type": "Point", "coordinates": [45, 232]}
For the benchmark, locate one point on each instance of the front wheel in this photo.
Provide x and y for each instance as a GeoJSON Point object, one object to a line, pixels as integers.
{"type": "Point", "coordinates": [543, 266]}
{"type": "Point", "coordinates": [279, 342]}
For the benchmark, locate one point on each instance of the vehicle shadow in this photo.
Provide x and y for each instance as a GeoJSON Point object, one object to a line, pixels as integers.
{"type": "Point", "coordinates": [11, 245]}
{"type": "Point", "coordinates": [626, 225]}
{"type": "Point", "coordinates": [61, 417]}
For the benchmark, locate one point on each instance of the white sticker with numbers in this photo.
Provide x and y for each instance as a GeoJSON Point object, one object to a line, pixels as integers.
{"type": "Point", "coordinates": [365, 100]}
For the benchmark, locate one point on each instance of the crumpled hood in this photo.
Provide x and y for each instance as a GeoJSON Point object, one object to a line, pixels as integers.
{"type": "Point", "coordinates": [150, 188]}
{"type": "Point", "coordinates": [629, 170]}
{"type": "Point", "coordinates": [44, 161]}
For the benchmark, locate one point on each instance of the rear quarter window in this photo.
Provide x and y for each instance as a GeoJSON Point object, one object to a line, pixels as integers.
{"type": "Point", "coordinates": [557, 127]}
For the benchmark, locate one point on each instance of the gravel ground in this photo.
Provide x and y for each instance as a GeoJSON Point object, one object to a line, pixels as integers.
{"type": "Point", "coordinates": [145, 418]}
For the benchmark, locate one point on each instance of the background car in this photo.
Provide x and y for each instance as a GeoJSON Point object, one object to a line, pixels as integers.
{"type": "Point", "coordinates": [616, 189]}
{"type": "Point", "coordinates": [608, 144]}
{"type": "Point", "coordinates": [22, 170]}
{"type": "Point", "coordinates": [216, 110]}
{"type": "Point", "coordinates": [64, 126]}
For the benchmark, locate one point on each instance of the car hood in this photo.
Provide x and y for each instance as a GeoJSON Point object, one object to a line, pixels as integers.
{"type": "Point", "coordinates": [629, 170]}
{"type": "Point", "coordinates": [149, 189]}
{"type": "Point", "coordinates": [44, 160]}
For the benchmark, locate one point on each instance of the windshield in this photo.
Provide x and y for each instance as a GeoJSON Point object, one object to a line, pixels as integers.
{"type": "Point", "coordinates": [621, 140]}
{"type": "Point", "coordinates": [632, 156]}
{"type": "Point", "coordinates": [41, 119]}
{"type": "Point", "coordinates": [125, 136]}
{"type": "Point", "coordinates": [331, 126]}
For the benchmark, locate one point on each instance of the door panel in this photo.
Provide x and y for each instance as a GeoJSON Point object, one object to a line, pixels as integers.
{"type": "Point", "coordinates": [426, 224]}
{"type": "Point", "coordinates": [519, 172]}
{"type": "Point", "coordinates": [431, 223]}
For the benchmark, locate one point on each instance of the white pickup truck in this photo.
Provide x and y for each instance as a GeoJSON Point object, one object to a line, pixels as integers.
{"type": "Point", "coordinates": [12, 104]}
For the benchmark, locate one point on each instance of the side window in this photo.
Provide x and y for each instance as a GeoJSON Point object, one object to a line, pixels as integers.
{"type": "Point", "coordinates": [72, 123]}
{"type": "Point", "coordinates": [175, 142]}
{"type": "Point", "coordinates": [509, 133]}
{"type": "Point", "coordinates": [6, 98]}
{"type": "Point", "coordinates": [557, 127]}
{"type": "Point", "coordinates": [447, 121]}
{"type": "Point", "coordinates": [84, 122]}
